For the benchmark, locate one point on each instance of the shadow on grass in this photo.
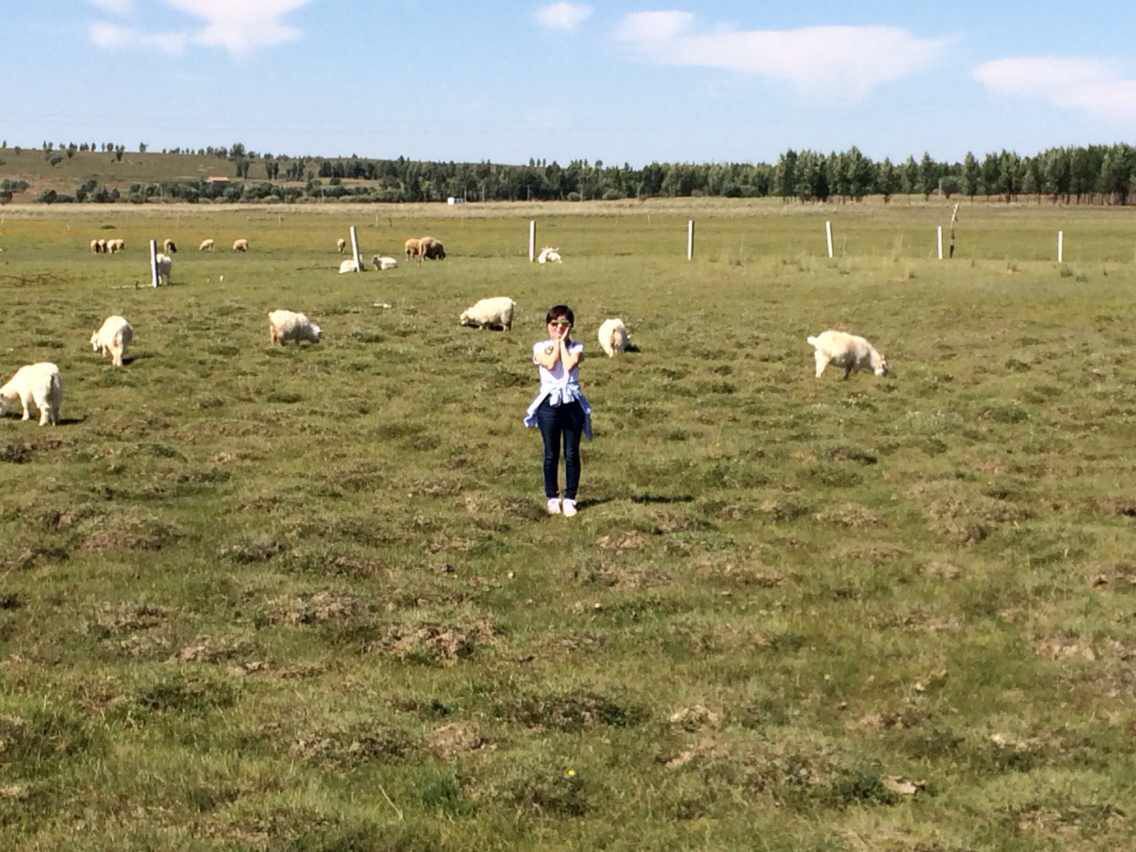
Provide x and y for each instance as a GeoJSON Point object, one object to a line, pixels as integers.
{"type": "Point", "coordinates": [661, 498]}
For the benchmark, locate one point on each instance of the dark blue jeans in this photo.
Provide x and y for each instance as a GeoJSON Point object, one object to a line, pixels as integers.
{"type": "Point", "coordinates": [562, 421]}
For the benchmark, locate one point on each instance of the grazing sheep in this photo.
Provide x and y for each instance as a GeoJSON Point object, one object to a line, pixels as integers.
{"type": "Point", "coordinates": [114, 246]}
{"type": "Point", "coordinates": [240, 245]}
{"type": "Point", "coordinates": [431, 249]}
{"type": "Point", "coordinates": [97, 246]}
{"type": "Point", "coordinates": [383, 263]}
{"type": "Point", "coordinates": [40, 384]}
{"type": "Point", "coordinates": [613, 337]}
{"type": "Point", "coordinates": [206, 245]}
{"type": "Point", "coordinates": [490, 313]}
{"type": "Point", "coordinates": [349, 265]}
{"type": "Point", "coordinates": [168, 246]}
{"type": "Point", "coordinates": [113, 337]}
{"type": "Point", "coordinates": [288, 325]}
{"type": "Point", "coordinates": [549, 255]}
{"type": "Point", "coordinates": [848, 351]}
{"type": "Point", "coordinates": [413, 247]}
{"type": "Point", "coordinates": [165, 265]}
{"type": "Point", "coordinates": [341, 244]}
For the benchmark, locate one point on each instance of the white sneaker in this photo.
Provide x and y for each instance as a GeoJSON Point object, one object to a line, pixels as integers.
{"type": "Point", "coordinates": [554, 506]}
{"type": "Point", "coordinates": [569, 508]}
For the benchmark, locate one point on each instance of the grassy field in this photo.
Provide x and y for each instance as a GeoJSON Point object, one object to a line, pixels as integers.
{"type": "Point", "coordinates": [257, 598]}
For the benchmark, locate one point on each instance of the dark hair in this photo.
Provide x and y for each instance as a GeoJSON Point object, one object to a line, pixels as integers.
{"type": "Point", "coordinates": [557, 311]}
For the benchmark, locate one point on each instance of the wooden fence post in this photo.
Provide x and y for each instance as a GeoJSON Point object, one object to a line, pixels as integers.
{"type": "Point", "coordinates": [690, 239]}
{"type": "Point", "coordinates": [153, 263]}
{"type": "Point", "coordinates": [828, 236]}
{"type": "Point", "coordinates": [532, 240]}
{"type": "Point", "coordinates": [1060, 246]}
{"type": "Point", "coordinates": [939, 240]}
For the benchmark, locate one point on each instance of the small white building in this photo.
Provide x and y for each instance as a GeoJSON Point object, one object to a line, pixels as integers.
{"type": "Point", "coordinates": [454, 199]}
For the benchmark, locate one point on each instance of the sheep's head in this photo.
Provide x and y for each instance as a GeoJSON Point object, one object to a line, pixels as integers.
{"type": "Point", "coordinates": [94, 341]}
{"type": "Point", "coordinates": [880, 365]}
{"type": "Point", "coordinates": [314, 333]}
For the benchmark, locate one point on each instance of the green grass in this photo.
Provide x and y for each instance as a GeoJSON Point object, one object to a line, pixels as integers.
{"type": "Point", "coordinates": [307, 597]}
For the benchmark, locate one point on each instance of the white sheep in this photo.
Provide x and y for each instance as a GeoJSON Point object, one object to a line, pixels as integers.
{"type": "Point", "coordinates": [97, 246]}
{"type": "Point", "coordinates": [115, 246]}
{"type": "Point", "coordinates": [240, 245]}
{"type": "Point", "coordinates": [549, 255]}
{"type": "Point", "coordinates": [113, 337]}
{"type": "Point", "coordinates": [488, 313]}
{"type": "Point", "coordinates": [613, 337]}
{"type": "Point", "coordinates": [40, 384]}
{"type": "Point", "coordinates": [289, 325]}
{"type": "Point", "coordinates": [383, 262]}
{"type": "Point", "coordinates": [349, 265]}
{"type": "Point", "coordinates": [206, 245]}
{"type": "Point", "coordinates": [340, 245]}
{"type": "Point", "coordinates": [848, 351]}
{"type": "Point", "coordinates": [165, 265]}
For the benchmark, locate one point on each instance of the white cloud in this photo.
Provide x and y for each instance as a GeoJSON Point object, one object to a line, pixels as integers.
{"type": "Point", "coordinates": [563, 16]}
{"type": "Point", "coordinates": [238, 26]}
{"type": "Point", "coordinates": [115, 37]}
{"type": "Point", "coordinates": [1090, 85]}
{"type": "Point", "coordinates": [836, 60]}
{"type": "Point", "coordinates": [114, 7]}
{"type": "Point", "coordinates": [241, 26]}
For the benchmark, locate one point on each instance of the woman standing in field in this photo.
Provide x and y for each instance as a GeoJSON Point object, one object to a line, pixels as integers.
{"type": "Point", "coordinates": [560, 409]}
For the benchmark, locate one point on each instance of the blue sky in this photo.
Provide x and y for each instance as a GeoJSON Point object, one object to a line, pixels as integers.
{"type": "Point", "coordinates": [619, 82]}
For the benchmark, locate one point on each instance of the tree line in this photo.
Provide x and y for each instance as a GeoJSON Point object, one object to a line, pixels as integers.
{"type": "Point", "coordinates": [1098, 174]}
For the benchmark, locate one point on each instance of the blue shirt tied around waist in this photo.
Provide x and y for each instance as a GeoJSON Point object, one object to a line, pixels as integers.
{"type": "Point", "coordinates": [559, 388]}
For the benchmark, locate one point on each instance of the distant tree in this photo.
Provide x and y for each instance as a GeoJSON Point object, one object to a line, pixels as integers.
{"type": "Point", "coordinates": [785, 175]}
{"type": "Point", "coordinates": [887, 180]}
{"type": "Point", "coordinates": [70, 151]}
{"type": "Point", "coordinates": [970, 175]}
{"type": "Point", "coordinates": [910, 176]}
{"type": "Point", "coordinates": [236, 151]}
{"type": "Point", "coordinates": [928, 175]}
{"type": "Point", "coordinates": [991, 167]}
{"type": "Point", "coordinates": [141, 147]}
{"type": "Point", "coordinates": [118, 152]}
{"type": "Point", "coordinates": [949, 185]}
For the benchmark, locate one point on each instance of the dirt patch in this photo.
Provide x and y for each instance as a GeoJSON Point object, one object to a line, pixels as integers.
{"type": "Point", "coordinates": [439, 644]}
{"type": "Point", "coordinates": [962, 517]}
{"type": "Point", "coordinates": [315, 609]}
{"type": "Point", "coordinates": [449, 741]}
{"type": "Point", "coordinates": [357, 745]}
{"type": "Point", "coordinates": [696, 717]}
{"type": "Point", "coordinates": [849, 516]}
{"type": "Point", "coordinates": [122, 618]}
{"type": "Point", "coordinates": [570, 711]}
{"type": "Point", "coordinates": [126, 532]}
{"type": "Point", "coordinates": [622, 541]}
{"type": "Point", "coordinates": [210, 649]}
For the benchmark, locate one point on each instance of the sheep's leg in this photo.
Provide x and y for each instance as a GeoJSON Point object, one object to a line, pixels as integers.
{"type": "Point", "coordinates": [116, 357]}
{"type": "Point", "coordinates": [821, 363]}
{"type": "Point", "coordinates": [848, 371]}
{"type": "Point", "coordinates": [24, 405]}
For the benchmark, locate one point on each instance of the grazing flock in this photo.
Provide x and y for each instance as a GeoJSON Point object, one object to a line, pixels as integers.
{"type": "Point", "coordinates": [40, 386]}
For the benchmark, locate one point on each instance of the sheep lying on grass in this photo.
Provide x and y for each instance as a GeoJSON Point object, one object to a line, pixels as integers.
{"type": "Point", "coordinates": [613, 337]}
{"type": "Point", "coordinates": [39, 384]}
{"type": "Point", "coordinates": [490, 313]}
{"type": "Point", "coordinates": [289, 325]}
{"type": "Point", "coordinates": [349, 265]}
{"type": "Point", "coordinates": [383, 262]}
{"type": "Point", "coordinates": [549, 255]}
{"type": "Point", "coordinates": [165, 265]}
{"type": "Point", "coordinates": [113, 337]}
{"type": "Point", "coordinates": [848, 351]}
{"type": "Point", "coordinates": [240, 245]}
{"type": "Point", "coordinates": [206, 245]}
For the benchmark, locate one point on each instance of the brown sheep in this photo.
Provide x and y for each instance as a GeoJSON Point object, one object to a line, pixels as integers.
{"type": "Point", "coordinates": [432, 249]}
{"type": "Point", "coordinates": [413, 247]}
{"type": "Point", "coordinates": [241, 245]}
{"type": "Point", "coordinates": [341, 244]}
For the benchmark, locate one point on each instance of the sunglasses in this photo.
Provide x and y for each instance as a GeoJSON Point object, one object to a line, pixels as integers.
{"type": "Point", "coordinates": [560, 323]}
